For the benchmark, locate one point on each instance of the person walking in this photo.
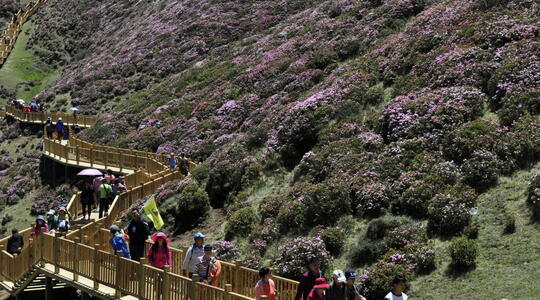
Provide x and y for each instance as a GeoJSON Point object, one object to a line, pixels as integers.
{"type": "Point", "coordinates": [208, 267]}
{"type": "Point", "coordinates": [265, 286]}
{"type": "Point", "coordinates": [49, 128]}
{"type": "Point", "coordinates": [109, 176]}
{"type": "Point", "coordinates": [87, 199]}
{"type": "Point", "coordinates": [319, 290]}
{"type": "Point", "coordinates": [59, 129]}
{"type": "Point", "coordinates": [189, 265]}
{"type": "Point", "coordinates": [308, 279]}
{"type": "Point", "coordinates": [52, 219]}
{"type": "Point", "coordinates": [63, 219]}
{"type": "Point", "coordinates": [138, 233]}
{"type": "Point", "coordinates": [159, 255]}
{"type": "Point", "coordinates": [399, 285]}
{"type": "Point", "coordinates": [118, 242]}
{"type": "Point", "coordinates": [171, 161]}
{"type": "Point", "coordinates": [337, 290]}
{"type": "Point", "coordinates": [352, 290]}
{"type": "Point", "coordinates": [40, 224]}
{"type": "Point", "coordinates": [15, 242]}
{"type": "Point", "coordinates": [105, 193]}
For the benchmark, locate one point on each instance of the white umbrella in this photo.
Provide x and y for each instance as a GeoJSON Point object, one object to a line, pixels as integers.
{"type": "Point", "coordinates": [19, 100]}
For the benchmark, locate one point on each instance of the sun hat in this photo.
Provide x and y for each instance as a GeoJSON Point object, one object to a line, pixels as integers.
{"type": "Point", "coordinates": [339, 276]}
{"type": "Point", "coordinates": [51, 212]}
{"type": "Point", "coordinates": [62, 209]}
{"type": "Point", "coordinates": [320, 283]}
{"type": "Point", "coordinates": [40, 217]}
{"type": "Point", "coordinates": [114, 228]}
{"type": "Point", "coordinates": [160, 235]}
{"type": "Point", "coordinates": [350, 274]}
{"type": "Point", "coordinates": [198, 235]}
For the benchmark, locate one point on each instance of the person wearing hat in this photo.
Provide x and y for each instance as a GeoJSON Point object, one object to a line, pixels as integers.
{"type": "Point", "coordinates": [40, 224]}
{"type": "Point", "coordinates": [15, 243]}
{"type": "Point", "coordinates": [265, 286]}
{"type": "Point", "coordinates": [337, 290]}
{"type": "Point", "coordinates": [352, 289]}
{"type": "Point", "coordinates": [307, 281]}
{"type": "Point", "coordinates": [171, 161]}
{"type": "Point", "coordinates": [189, 265]}
{"type": "Point", "coordinates": [208, 267]}
{"type": "Point", "coordinates": [49, 129]}
{"type": "Point", "coordinates": [319, 290]}
{"type": "Point", "coordinates": [159, 255]}
{"type": "Point", "coordinates": [63, 219]}
{"type": "Point", "coordinates": [59, 128]}
{"type": "Point", "coordinates": [118, 242]}
{"type": "Point", "coordinates": [52, 219]}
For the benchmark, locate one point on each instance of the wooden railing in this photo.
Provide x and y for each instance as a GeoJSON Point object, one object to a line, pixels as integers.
{"type": "Point", "coordinates": [15, 27]}
{"type": "Point", "coordinates": [40, 117]}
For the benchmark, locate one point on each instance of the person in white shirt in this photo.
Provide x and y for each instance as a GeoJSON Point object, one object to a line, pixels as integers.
{"type": "Point", "coordinates": [397, 293]}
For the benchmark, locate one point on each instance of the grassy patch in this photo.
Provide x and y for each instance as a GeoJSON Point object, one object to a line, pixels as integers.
{"type": "Point", "coordinates": [22, 67]}
{"type": "Point", "coordinates": [507, 263]}
{"type": "Point", "coordinates": [21, 214]}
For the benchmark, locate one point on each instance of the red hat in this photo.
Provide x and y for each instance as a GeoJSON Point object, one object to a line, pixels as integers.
{"type": "Point", "coordinates": [160, 235]}
{"type": "Point", "coordinates": [320, 283]}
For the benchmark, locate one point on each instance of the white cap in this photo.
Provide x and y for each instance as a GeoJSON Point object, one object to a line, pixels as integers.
{"type": "Point", "coordinates": [339, 276]}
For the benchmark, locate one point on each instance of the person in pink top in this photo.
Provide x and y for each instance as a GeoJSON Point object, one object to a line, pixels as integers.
{"type": "Point", "coordinates": [265, 286]}
{"type": "Point", "coordinates": [40, 223]}
{"type": "Point", "coordinates": [109, 176]}
{"type": "Point", "coordinates": [159, 254]}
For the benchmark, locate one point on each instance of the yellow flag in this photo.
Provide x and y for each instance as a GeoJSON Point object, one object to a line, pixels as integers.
{"type": "Point", "coordinates": [151, 211]}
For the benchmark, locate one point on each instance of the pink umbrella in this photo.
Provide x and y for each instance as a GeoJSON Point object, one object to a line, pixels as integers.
{"type": "Point", "coordinates": [90, 172]}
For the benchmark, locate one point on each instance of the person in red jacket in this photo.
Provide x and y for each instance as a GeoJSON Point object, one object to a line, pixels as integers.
{"type": "Point", "coordinates": [159, 254]}
{"type": "Point", "coordinates": [319, 290]}
{"type": "Point", "coordinates": [307, 281]}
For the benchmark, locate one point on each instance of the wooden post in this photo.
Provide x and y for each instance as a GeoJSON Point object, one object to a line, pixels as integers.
{"type": "Point", "coordinates": [228, 290]}
{"type": "Point", "coordinates": [193, 291]}
{"type": "Point", "coordinates": [77, 155]}
{"type": "Point", "coordinates": [118, 275]}
{"type": "Point", "coordinates": [142, 278]}
{"type": "Point", "coordinates": [77, 240]}
{"type": "Point", "coordinates": [55, 254]}
{"type": "Point", "coordinates": [120, 160]}
{"type": "Point", "coordinates": [236, 284]}
{"type": "Point", "coordinates": [165, 284]}
{"type": "Point", "coordinates": [91, 157]}
{"type": "Point", "coordinates": [96, 266]}
{"type": "Point", "coordinates": [33, 253]}
{"type": "Point", "coordinates": [42, 247]}
{"type": "Point", "coordinates": [2, 267]}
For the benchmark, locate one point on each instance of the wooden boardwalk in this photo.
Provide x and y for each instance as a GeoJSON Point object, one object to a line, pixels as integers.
{"type": "Point", "coordinates": [83, 259]}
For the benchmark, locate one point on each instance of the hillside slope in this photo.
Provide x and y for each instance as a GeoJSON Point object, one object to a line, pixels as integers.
{"type": "Point", "coordinates": [363, 131]}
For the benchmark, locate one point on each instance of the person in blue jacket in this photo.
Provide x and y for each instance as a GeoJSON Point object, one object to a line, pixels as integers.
{"type": "Point", "coordinates": [118, 242]}
{"type": "Point", "coordinates": [59, 128]}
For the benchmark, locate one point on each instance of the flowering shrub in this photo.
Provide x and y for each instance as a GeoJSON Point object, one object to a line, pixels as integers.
{"type": "Point", "coordinates": [225, 250]}
{"type": "Point", "coordinates": [481, 170]}
{"type": "Point", "coordinates": [448, 212]}
{"type": "Point", "coordinates": [293, 255]}
{"type": "Point", "coordinates": [430, 113]}
{"type": "Point", "coordinates": [185, 207]}
{"type": "Point", "coordinates": [376, 281]}
{"type": "Point", "coordinates": [472, 136]}
{"type": "Point", "coordinates": [463, 252]}
{"type": "Point", "coordinates": [533, 195]}
{"type": "Point", "coordinates": [333, 238]}
{"type": "Point", "coordinates": [370, 199]}
{"type": "Point", "coordinates": [241, 223]}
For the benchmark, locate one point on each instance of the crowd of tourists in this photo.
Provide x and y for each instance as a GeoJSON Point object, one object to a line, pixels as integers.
{"type": "Point", "coordinates": [200, 259]}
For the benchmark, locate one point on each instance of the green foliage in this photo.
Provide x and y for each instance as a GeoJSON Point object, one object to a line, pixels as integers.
{"type": "Point", "coordinates": [509, 222]}
{"type": "Point", "coordinates": [488, 4]}
{"type": "Point", "coordinates": [241, 223]}
{"type": "Point", "coordinates": [463, 252]}
{"type": "Point", "coordinates": [379, 280]}
{"type": "Point", "coordinates": [187, 208]}
{"type": "Point", "coordinates": [448, 212]}
{"type": "Point", "coordinates": [322, 57]}
{"type": "Point", "coordinates": [333, 238]}
{"type": "Point", "coordinates": [200, 173]}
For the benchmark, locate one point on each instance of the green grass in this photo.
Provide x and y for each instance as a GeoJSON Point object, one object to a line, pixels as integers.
{"type": "Point", "coordinates": [507, 265]}
{"type": "Point", "coordinates": [22, 66]}
{"type": "Point", "coordinates": [21, 214]}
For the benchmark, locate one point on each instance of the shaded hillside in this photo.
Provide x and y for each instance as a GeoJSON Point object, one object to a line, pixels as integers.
{"type": "Point", "coordinates": [378, 120]}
